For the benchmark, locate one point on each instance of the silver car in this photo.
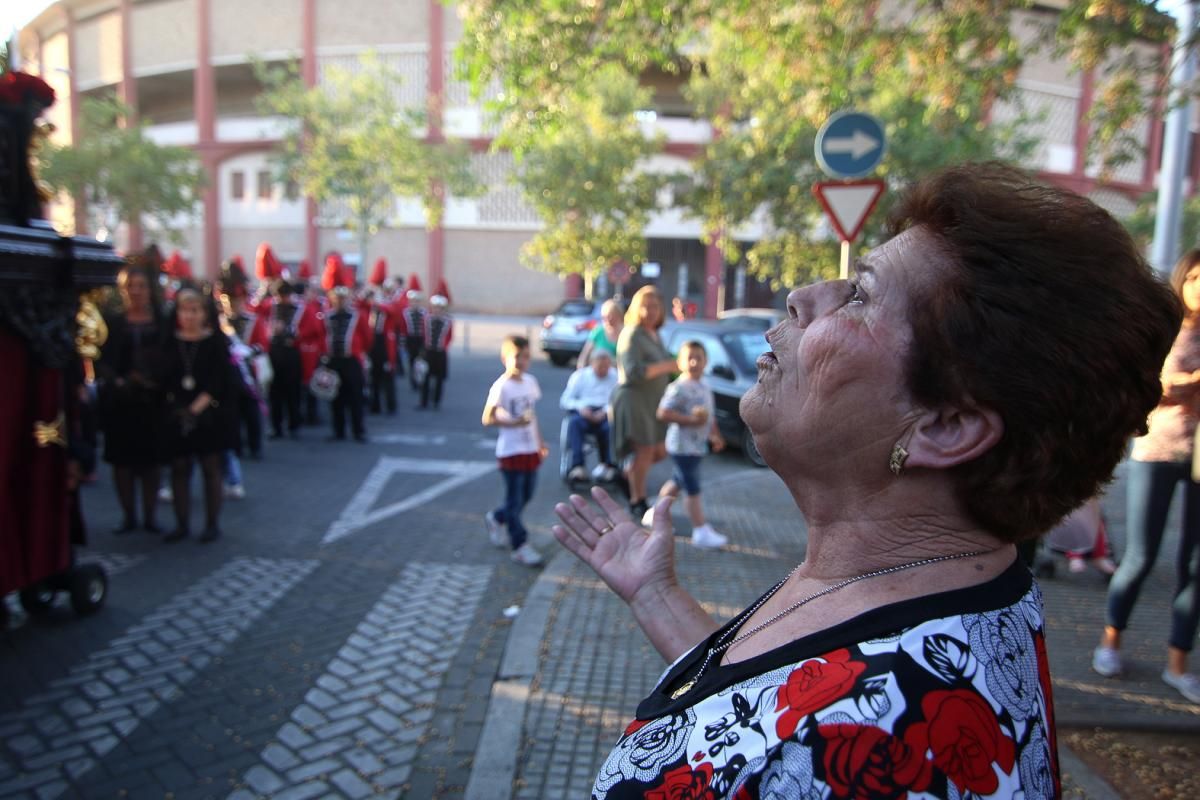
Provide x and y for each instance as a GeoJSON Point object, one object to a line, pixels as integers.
{"type": "Point", "coordinates": [565, 331]}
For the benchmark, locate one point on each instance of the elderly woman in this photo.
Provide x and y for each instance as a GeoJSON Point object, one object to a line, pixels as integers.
{"type": "Point", "coordinates": [644, 368]}
{"type": "Point", "coordinates": [975, 379]}
{"type": "Point", "coordinates": [605, 335]}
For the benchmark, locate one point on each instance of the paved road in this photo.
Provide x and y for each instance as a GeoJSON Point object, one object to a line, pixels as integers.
{"type": "Point", "coordinates": [347, 636]}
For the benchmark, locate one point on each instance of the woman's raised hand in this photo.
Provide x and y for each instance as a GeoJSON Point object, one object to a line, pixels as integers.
{"type": "Point", "coordinates": [626, 556]}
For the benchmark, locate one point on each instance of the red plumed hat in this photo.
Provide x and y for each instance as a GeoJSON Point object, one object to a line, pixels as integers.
{"type": "Point", "coordinates": [442, 289]}
{"type": "Point", "coordinates": [177, 266]}
{"type": "Point", "coordinates": [379, 274]}
{"type": "Point", "coordinates": [304, 271]}
{"type": "Point", "coordinates": [266, 265]}
{"type": "Point", "coordinates": [334, 271]}
{"type": "Point", "coordinates": [414, 282]}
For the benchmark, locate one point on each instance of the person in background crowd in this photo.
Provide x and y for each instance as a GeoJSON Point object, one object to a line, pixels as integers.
{"type": "Point", "coordinates": [605, 335]}
{"type": "Point", "coordinates": [438, 331]}
{"type": "Point", "coordinates": [586, 400]}
{"type": "Point", "coordinates": [131, 401]}
{"type": "Point", "coordinates": [644, 370]}
{"type": "Point", "coordinates": [396, 300]}
{"type": "Point", "coordinates": [311, 344]}
{"type": "Point", "coordinates": [414, 334]}
{"type": "Point", "coordinates": [249, 337]}
{"type": "Point", "coordinates": [690, 413]}
{"type": "Point", "coordinates": [520, 449]}
{"type": "Point", "coordinates": [200, 397]}
{"type": "Point", "coordinates": [1160, 460]}
{"type": "Point", "coordinates": [906, 655]}
{"type": "Point", "coordinates": [347, 341]}
{"type": "Point", "coordinates": [284, 395]}
{"type": "Point", "coordinates": [384, 354]}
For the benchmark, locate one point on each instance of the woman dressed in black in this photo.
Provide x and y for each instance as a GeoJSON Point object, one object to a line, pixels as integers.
{"type": "Point", "coordinates": [131, 406]}
{"type": "Point", "coordinates": [197, 381]}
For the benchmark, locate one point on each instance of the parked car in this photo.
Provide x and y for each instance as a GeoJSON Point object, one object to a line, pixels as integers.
{"type": "Point", "coordinates": [732, 348]}
{"type": "Point", "coordinates": [765, 318]}
{"type": "Point", "coordinates": [565, 331]}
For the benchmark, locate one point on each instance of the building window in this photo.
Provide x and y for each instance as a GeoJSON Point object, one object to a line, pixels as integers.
{"type": "Point", "coordinates": [265, 186]}
{"type": "Point", "coordinates": [239, 184]}
{"type": "Point", "coordinates": [291, 191]}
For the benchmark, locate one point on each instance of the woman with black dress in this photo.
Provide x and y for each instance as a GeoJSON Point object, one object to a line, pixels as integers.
{"type": "Point", "coordinates": [197, 383]}
{"type": "Point", "coordinates": [131, 400]}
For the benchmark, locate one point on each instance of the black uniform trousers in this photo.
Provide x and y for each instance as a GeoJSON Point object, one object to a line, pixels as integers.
{"type": "Point", "coordinates": [439, 367]}
{"type": "Point", "coordinates": [350, 394]}
{"type": "Point", "coordinates": [383, 383]}
{"type": "Point", "coordinates": [413, 345]}
{"type": "Point", "coordinates": [285, 388]}
{"type": "Point", "coordinates": [251, 417]}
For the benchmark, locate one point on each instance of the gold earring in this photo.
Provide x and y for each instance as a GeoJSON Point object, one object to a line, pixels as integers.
{"type": "Point", "coordinates": [899, 456]}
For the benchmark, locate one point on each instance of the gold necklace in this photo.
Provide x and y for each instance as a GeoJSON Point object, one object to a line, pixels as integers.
{"type": "Point", "coordinates": [722, 645]}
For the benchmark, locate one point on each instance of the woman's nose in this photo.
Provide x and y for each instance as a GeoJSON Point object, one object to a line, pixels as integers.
{"type": "Point", "coordinates": [809, 302]}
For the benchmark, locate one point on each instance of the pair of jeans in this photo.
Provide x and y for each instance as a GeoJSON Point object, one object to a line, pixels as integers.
{"type": "Point", "coordinates": [577, 428]}
{"type": "Point", "coordinates": [518, 491]}
{"type": "Point", "coordinates": [1150, 485]}
{"type": "Point", "coordinates": [232, 467]}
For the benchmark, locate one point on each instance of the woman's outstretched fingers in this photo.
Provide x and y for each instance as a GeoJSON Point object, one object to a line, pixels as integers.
{"type": "Point", "coordinates": [575, 524]}
{"type": "Point", "coordinates": [610, 507]}
{"type": "Point", "coordinates": [572, 542]}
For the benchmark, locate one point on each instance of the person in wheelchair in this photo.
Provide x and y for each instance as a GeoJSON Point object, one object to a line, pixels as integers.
{"type": "Point", "coordinates": [586, 402]}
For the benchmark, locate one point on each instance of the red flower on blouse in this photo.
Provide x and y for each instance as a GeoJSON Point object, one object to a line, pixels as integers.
{"type": "Point", "coordinates": [684, 783]}
{"type": "Point", "coordinates": [966, 740]}
{"type": "Point", "coordinates": [864, 762]}
{"type": "Point", "coordinates": [21, 87]}
{"type": "Point", "coordinates": [814, 685]}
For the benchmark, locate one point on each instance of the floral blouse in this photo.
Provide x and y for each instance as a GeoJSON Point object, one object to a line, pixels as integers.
{"type": "Point", "coordinates": [946, 696]}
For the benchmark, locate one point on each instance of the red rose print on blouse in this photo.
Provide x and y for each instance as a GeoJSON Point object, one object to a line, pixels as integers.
{"type": "Point", "coordinates": [634, 726]}
{"type": "Point", "coordinates": [966, 740]}
{"type": "Point", "coordinates": [683, 783]}
{"type": "Point", "coordinates": [864, 763]}
{"type": "Point", "coordinates": [814, 685]}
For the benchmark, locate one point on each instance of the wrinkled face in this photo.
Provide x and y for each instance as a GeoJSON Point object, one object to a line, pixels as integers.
{"type": "Point", "coordinates": [135, 291]}
{"type": "Point", "coordinates": [1191, 291]}
{"type": "Point", "coordinates": [833, 385]}
{"type": "Point", "coordinates": [692, 361]}
{"type": "Point", "coordinates": [190, 313]}
{"type": "Point", "coordinates": [601, 364]}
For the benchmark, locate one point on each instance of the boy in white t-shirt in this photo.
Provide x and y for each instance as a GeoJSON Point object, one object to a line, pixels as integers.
{"type": "Point", "coordinates": [520, 448]}
{"type": "Point", "coordinates": [688, 406]}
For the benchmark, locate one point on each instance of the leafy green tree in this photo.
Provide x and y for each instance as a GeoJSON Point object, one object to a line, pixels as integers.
{"type": "Point", "coordinates": [122, 173]}
{"type": "Point", "coordinates": [1141, 222]}
{"type": "Point", "coordinates": [768, 75]}
{"type": "Point", "coordinates": [354, 144]}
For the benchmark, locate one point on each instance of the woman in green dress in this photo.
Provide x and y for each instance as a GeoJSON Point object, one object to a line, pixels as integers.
{"type": "Point", "coordinates": [644, 368]}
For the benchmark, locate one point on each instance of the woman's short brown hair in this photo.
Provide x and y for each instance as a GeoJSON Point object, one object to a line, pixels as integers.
{"type": "Point", "coordinates": [633, 315]}
{"type": "Point", "coordinates": [1051, 318]}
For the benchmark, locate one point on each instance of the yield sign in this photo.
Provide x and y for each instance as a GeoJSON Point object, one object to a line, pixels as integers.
{"type": "Point", "coordinates": [848, 204]}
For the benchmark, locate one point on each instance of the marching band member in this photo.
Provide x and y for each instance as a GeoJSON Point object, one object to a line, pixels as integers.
{"type": "Point", "coordinates": [347, 340]}
{"type": "Point", "coordinates": [439, 329]}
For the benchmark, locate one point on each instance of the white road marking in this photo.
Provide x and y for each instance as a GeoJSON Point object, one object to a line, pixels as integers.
{"type": "Point", "coordinates": [359, 512]}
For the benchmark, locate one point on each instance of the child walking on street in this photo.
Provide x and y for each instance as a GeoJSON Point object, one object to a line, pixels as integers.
{"type": "Point", "coordinates": [688, 406]}
{"type": "Point", "coordinates": [520, 448]}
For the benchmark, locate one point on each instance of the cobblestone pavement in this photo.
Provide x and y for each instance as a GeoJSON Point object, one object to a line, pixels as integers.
{"type": "Point", "coordinates": [340, 640]}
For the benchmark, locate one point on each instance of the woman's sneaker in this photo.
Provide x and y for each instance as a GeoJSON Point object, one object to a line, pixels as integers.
{"type": "Point", "coordinates": [1187, 684]}
{"type": "Point", "coordinates": [525, 554]}
{"type": "Point", "coordinates": [705, 537]}
{"type": "Point", "coordinates": [1107, 661]}
{"type": "Point", "coordinates": [495, 530]}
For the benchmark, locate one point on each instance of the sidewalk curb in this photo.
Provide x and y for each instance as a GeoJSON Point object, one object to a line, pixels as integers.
{"type": "Point", "coordinates": [494, 767]}
{"type": "Point", "coordinates": [1094, 787]}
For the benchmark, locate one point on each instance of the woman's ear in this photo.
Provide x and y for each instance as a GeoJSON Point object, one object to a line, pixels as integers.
{"type": "Point", "coordinates": [949, 436]}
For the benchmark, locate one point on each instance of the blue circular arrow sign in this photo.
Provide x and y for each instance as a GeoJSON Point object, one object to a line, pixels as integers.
{"type": "Point", "coordinates": [850, 144]}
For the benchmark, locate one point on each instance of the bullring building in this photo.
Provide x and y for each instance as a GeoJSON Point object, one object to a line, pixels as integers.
{"type": "Point", "coordinates": [185, 67]}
